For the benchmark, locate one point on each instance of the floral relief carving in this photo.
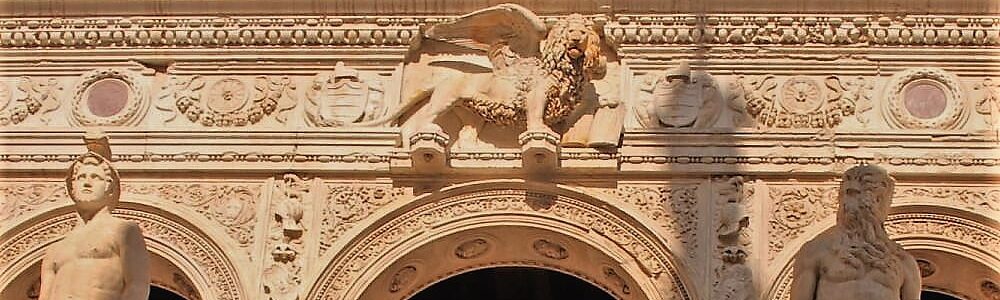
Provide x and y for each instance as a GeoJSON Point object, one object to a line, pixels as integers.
{"type": "Point", "coordinates": [229, 101]}
{"type": "Point", "coordinates": [231, 205]}
{"type": "Point", "coordinates": [346, 204]}
{"type": "Point", "coordinates": [346, 267]}
{"type": "Point", "coordinates": [795, 208]}
{"type": "Point", "coordinates": [35, 236]}
{"type": "Point", "coordinates": [975, 199]}
{"type": "Point", "coordinates": [30, 97]}
{"type": "Point", "coordinates": [19, 198]}
{"type": "Point", "coordinates": [673, 207]}
{"type": "Point", "coordinates": [989, 105]}
{"type": "Point", "coordinates": [975, 235]}
{"type": "Point", "coordinates": [802, 102]}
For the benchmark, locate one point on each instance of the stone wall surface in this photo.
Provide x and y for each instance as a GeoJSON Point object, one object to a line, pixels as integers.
{"type": "Point", "coordinates": [292, 152]}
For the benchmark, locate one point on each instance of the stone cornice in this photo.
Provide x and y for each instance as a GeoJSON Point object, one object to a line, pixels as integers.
{"type": "Point", "coordinates": [396, 32]}
{"type": "Point", "coordinates": [406, 7]}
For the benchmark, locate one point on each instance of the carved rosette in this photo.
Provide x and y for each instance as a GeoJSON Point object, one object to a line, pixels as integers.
{"type": "Point", "coordinates": [800, 102]}
{"type": "Point", "coordinates": [110, 97]}
{"type": "Point", "coordinates": [230, 101]}
{"type": "Point", "coordinates": [925, 98]}
{"type": "Point", "coordinates": [343, 97]}
{"type": "Point", "coordinates": [30, 97]}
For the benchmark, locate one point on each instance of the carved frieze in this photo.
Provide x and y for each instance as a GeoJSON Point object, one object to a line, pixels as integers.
{"type": "Point", "coordinates": [989, 104]}
{"type": "Point", "coordinates": [674, 207]}
{"type": "Point", "coordinates": [678, 99]}
{"type": "Point", "coordinates": [925, 98]}
{"type": "Point", "coordinates": [229, 101]}
{"type": "Point", "coordinates": [978, 199]}
{"type": "Point", "coordinates": [800, 102]}
{"type": "Point", "coordinates": [233, 206]}
{"type": "Point", "coordinates": [344, 96]}
{"type": "Point", "coordinates": [28, 97]}
{"type": "Point", "coordinates": [110, 97]}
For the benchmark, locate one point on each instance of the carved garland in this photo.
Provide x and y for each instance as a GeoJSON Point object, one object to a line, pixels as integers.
{"type": "Point", "coordinates": [38, 97]}
{"type": "Point", "coordinates": [348, 266]}
{"type": "Point", "coordinates": [953, 116]}
{"type": "Point", "coordinates": [137, 98]}
{"type": "Point", "coordinates": [803, 103]}
{"type": "Point", "coordinates": [228, 101]}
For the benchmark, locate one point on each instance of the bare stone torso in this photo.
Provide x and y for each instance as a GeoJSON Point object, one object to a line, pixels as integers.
{"type": "Point", "coordinates": [88, 262]}
{"type": "Point", "coordinates": [839, 279]}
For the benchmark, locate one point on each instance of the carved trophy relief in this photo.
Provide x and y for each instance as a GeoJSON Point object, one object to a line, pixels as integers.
{"type": "Point", "coordinates": [925, 98]}
{"type": "Point", "coordinates": [228, 101]}
{"type": "Point", "coordinates": [678, 98]}
{"type": "Point", "coordinates": [343, 97]}
{"type": "Point", "coordinates": [26, 98]}
{"type": "Point", "coordinates": [110, 97]}
{"type": "Point", "coordinates": [801, 101]}
{"type": "Point", "coordinates": [282, 276]}
{"type": "Point", "coordinates": [733, 277]}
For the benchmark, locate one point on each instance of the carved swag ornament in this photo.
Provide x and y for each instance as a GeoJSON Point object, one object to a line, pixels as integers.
{"type": "Point", "coordinates": [801, 102]}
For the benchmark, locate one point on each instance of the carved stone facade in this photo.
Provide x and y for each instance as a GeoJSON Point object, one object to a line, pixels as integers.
{"type": "Point", "coordinates": [368, 150]}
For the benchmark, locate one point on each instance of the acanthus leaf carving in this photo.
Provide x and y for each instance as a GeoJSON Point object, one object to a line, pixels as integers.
{"type": "Point", "coordinates": [228, 101]}
{"type": "Point", "coordinates": [346, 204]}
{"type": "Point", "coordinates": [20, 198]}
{"type": "Point", "coordinates": [230, 205]}
{"type": "Point", "coordinates": [673, 207]}
{"type": "Point", "coordinates": [794, 209]}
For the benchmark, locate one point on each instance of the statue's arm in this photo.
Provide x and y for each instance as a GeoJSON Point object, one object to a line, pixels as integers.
{"type": "Point", "coordinates": [805, 274]}
{"type": "Point", "coordinates": [48, 273]}
{"type": "Point", "coordinates": [136, 264]}
{"type": "Point", "coordinates": [911, 280]}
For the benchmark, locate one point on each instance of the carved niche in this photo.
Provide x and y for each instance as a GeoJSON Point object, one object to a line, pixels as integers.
{"type": "Point", "coordinates": [282, 278]}
{"type": "Point", "coordinates": [678, 98]}
{"type": "Point", "coordinates": [229, 101]}
{"type": "Point", "coordinates": [343, 97]}
{"type": "Point", "coordinates": [30, 96]}
{"type": "Point", "coordinates": [925, 98]}
{"type": "Point", "coordinates": [110, 97]}
{"type": "Point", "coordinates": [800, 101]}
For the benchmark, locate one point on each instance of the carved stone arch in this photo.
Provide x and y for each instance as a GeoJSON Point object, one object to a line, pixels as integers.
{"type": "Point", "coordinates": [185, 245]}
{"type": "Point", "coordinates": [917, 227]}
{"type": "Point", "coordinates": [368, 251]}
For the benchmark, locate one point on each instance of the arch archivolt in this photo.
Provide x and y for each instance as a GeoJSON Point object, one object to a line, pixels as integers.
{"type": "Point", "coordinates": [957, 232]}
{"type": "Point", "coordinates": [186, 243]}
{"type": "Point", "coordinates": [579, 220]}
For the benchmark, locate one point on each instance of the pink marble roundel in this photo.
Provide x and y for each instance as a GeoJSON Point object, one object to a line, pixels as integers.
{"type": "Point", "coordinates": [924, 100]}
{"type": "Point", "coordinates": [107, 97]}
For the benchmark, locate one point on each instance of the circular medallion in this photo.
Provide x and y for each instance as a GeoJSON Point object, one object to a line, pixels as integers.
{"type": "Point", "coordinates": [5, 95]}
{"type": "Point", "coordinates": [227, 95]}
{"type": "Point", "coordinates": [801, 95]}
{"type": "Point", "coordinates": [107, 97]}
{"type": "Point", "coordinates": [924, 99]}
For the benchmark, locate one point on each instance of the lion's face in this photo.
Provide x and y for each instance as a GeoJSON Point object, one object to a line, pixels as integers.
{"type": "Point", "coordinates": [575, 39]}
{"type": "Point", "coordinates": [577, 35]}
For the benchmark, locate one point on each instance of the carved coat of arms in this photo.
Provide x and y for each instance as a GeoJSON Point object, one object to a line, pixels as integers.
{"type": "Point", "coordinates": [679, 99]}
{"type": "Point", "coordinates": [343, 97]}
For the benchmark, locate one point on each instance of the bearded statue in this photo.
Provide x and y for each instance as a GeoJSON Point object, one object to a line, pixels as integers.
{"type": "Point", "coordinates": [856, 259]}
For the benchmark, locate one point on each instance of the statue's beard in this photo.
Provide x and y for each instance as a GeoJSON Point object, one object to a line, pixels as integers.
{"type": "Point", "coordinates": [865, 238]}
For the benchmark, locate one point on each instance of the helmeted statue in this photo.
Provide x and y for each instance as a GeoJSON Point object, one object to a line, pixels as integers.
{"type": "Point", "coordinates": [856, 259]}
{"type": "Point", "coordinates": [106, 257]}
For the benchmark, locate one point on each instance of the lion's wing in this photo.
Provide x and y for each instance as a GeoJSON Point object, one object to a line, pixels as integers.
{"type": "Point", "coordinates": [509, 24]}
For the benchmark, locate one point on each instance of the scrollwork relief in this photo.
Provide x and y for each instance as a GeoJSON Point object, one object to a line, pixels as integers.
{"type": "Point", "coordinates": [19, 198]}
{"type": "Point", "coordinates": [32, 96]}
{"type": "Point", "coordinates": [673, 207]}
{"type": "Point", "coordinates": [977, 199]}
{"type": "Point", "coordinates": [794, 209]}
{"type": "Point", "coordinates": [348, 203]}
{"type": "Point", "coordinates": [229, 101]}
{"type": "Point", "coordinates": [802, 102]}
{"type": "Point", "coordinates": [231, 205]}
{"type": "Point", "coordinates": [733, 278]}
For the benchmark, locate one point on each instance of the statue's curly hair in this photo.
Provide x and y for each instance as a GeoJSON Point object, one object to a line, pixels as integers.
{"type": "Point", "coordinates": [92, 158]}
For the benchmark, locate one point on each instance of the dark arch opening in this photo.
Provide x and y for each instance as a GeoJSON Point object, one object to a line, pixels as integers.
{"type": "Point", "coordinates": [512, 283]}
{"type": "Point", "coordinates": [932, 295]}
{"type": "Point", "coordinates": [158, 293]}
